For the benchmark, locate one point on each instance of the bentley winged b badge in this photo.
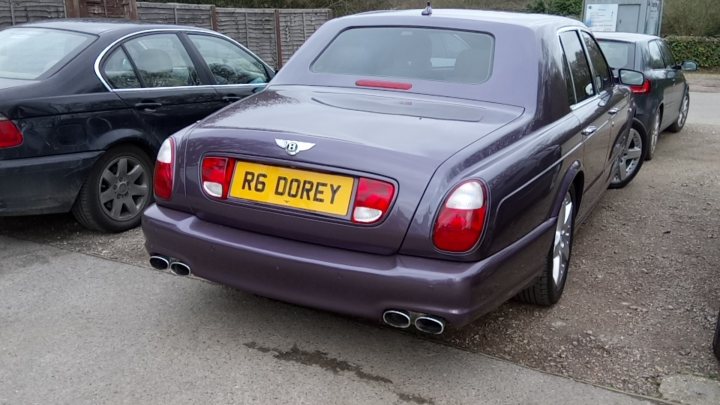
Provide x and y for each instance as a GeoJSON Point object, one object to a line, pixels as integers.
{"type": "Point", "coordinates": [293, 147]}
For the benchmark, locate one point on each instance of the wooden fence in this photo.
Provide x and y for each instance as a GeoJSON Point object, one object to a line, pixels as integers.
{"type": "Point", "coordinates": [273, 34]}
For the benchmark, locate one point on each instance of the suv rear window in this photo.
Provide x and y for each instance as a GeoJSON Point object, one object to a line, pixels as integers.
{"type": "Point", "coordinates": [28, 53]}
{"type": "Point", "coordinates": [411, 53]}
{"type": "Point", "coordinates": [620, 55]}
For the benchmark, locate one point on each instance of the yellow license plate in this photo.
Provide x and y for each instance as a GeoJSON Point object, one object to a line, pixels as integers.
{"type": "Point", "coordinates": [319, 192]}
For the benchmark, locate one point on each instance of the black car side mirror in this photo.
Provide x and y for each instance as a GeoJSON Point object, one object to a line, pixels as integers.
{"type": "Point", "coordinates": [688, 66]}
{"type": "Point", "coordinates": [631, 77]}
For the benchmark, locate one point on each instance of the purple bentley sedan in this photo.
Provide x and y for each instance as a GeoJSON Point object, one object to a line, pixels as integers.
{"type": "Point", "coordinates": [411, 168]}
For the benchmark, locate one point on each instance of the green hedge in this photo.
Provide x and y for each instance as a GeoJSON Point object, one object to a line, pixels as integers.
{"type": "Point", "coordinates": [703, 50]}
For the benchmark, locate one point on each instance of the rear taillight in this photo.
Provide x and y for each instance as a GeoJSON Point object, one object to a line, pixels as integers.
{"type": "Point", "coordinates": [163, 182]}
{"type": "Point", "coordinates": [372, 200]}
{"type": "Point", "coordinates": [642, 89]}
{"type": "Point", "coordinates": [216, 176]}
{"type": "Point", "coordinates": [10, 135]}
{"type": "Point", "coordinates": [462, 217]}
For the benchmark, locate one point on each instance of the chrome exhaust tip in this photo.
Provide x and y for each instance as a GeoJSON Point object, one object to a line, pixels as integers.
{"type": "Point", "coordinates": [180, 269]}
{"type": "Point", "coordinates": [159, 262]}
{"type": "Point", "coordinates": [429, 324]}
{"type": "Point", "coordinates": [397, 319]}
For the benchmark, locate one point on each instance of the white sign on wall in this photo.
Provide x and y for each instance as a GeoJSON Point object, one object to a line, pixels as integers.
{"type": "Point", "coordinates": [601, 17]}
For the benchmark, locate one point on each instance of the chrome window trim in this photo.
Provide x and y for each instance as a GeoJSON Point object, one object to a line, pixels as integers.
{"type": "Point", "coordinates": [110, 47]}
{"type": "Point", "coordinates": [597, 94]}
{"type": "Point", "coordinates": [203, 86]}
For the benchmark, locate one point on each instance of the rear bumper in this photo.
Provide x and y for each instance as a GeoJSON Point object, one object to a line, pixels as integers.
{"type": "Point", "coordinates": [352, 283]}
{"type": "Point", "coordinates": [43, 185]}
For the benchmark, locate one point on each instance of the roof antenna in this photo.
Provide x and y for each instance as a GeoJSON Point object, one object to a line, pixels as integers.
{"type": "Point", "coordinates": [428, 9]}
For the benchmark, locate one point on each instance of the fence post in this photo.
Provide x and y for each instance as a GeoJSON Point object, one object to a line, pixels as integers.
{"type": "Point", "coordinates": [131, 11]}
{"type": "Point", "coordinates": [12, 13]}
{"type": "Point", "coordinates": [213, 18]}
{"type": "Point", "coordinates": [278, 40]}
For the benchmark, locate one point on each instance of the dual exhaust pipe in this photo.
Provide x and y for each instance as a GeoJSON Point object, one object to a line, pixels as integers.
{"type": "Point", "coordinates": [178, 268]}
{"type": "Point", "coordinates": [424, 323]}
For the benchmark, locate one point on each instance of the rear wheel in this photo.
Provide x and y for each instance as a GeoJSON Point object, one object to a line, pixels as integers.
{"type": "Point", "coordinates": [633, 150]}
{"type": "Point", "coordinates": [653, 136]}
{"type": "Point", "coordinates": [548, 288]}
{"type": "Point", "coordinates": [678, 125]}
{"type": "Point", "coordinates": [117, 191]}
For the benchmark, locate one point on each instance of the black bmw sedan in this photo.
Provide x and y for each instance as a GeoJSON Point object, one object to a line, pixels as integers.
{"type": "Point", "coordinates": [85, 105]}
{"type": "Point", "coordinates": [663, 101]}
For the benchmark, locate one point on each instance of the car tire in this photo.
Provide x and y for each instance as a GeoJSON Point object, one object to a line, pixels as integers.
{"type": "Point", "coordinates": [549, 287]}
{"type": "Point", "coordinates": [678, 125]}
{"type": "Point", "coordinates": [653, 136]}
{"type": "Point", "coordinates": [634, 149]}
{"type": "Point", "coordinates": [716, 340]}
{"type": "Point", "coordinates": [117, 191]}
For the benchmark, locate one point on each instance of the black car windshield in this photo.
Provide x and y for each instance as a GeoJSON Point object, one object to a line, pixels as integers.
{"type": "Point", "coordinates": [620, 55]}
{"type": "Point", "coordinates": [28, 53]}
{"type": "Point", "coordinates": [410, 53]}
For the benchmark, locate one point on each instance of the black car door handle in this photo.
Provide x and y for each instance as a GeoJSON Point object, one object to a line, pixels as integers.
{"type": "Point", "coordinates": [589, 130]}
{"type": "Point", "coordinates": [613, 111]}
{"type": "Point", "coordinates": [231, 98]}
{"type": "Point", "coordinates": [147, 105]}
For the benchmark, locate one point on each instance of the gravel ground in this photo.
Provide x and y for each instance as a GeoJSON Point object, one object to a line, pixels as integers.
{"type": "Point", "coordinates": [643, 292]}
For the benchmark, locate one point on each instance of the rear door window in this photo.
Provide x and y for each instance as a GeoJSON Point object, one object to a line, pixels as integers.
{"type": "Point", "coordinates": [162, 61]}
{"type": "Point", "coordinates": [410, 53]}
{"type": "Point", "coordinates": [655, 57]}
{"type": "Point", "coordinates": [229, 63]}
{"type": "Point", "coordinates": [119, 71]}
{"type": "Point", "coordinates": [579, 66]}
{"type": "Point", "coordinates": [667, 54]}
{"type": "Point", "coordinates": [29, 53]}
{"type": "Point", "coordinates": [601, 70]}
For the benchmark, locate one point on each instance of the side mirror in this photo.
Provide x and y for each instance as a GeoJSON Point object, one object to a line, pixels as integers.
{"type": "Point", "coordinates": [631, 77]}
{"type": "Point", "coordinates": [689, 66]}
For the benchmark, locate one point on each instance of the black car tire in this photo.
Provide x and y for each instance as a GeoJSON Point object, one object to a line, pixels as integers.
{"type": "Point", "coordinates": [716, 340]}
{"type": "Point", "coordinates": [93, 214]}
{"type": "Point", "coordinates": [639, 135]}
{"type": "Point", "coordinates": [546, 290]}
{"type": "Point", "coordinates": [679, 123]}
{"type": "Point", "coordinates": [653, 136]}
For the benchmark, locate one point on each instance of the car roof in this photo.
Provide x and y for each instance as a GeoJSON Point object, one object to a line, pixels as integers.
{"type": "Point", "coordinates": [104, 26]}
{"type": "Point", "coordinates": [624, 36]}
{"type": "Point", "coordinates": [512, 18]}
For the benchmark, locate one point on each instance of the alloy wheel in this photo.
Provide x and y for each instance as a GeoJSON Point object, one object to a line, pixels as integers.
{"type": "Point", "coordinates": [563, 239]}
{"type": "Point", "coordinates": [629, 159]}
{"type": "Point", "coordinates": [124, 188]}
{"type": "Point", "coordinates": [684, 109]}
{"type": "Point", "coordinates": [655, 134]}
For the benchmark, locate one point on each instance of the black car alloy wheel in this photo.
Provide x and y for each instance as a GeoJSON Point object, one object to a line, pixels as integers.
{"type": "Point", "coordinates": [632, 153]}
{"type": "Point", "coordinates": [678, 125]}
{"type": "Point", "coordinates": [118, 190]}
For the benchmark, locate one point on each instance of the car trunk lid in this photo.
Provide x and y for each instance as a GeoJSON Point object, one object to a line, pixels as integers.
{"type": "Point", "coordinates": [396, 138]}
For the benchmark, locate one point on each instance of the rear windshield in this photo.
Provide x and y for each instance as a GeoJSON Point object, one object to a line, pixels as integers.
{"type": "Point", "coordinates": [620, 55]}
{"type": "Point", "coordinates": [28, 53]}
{"type": "Point", "coordinates": [410, 53]}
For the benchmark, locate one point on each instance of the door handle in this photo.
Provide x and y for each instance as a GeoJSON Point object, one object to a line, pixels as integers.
{"type": "Point", "coordinates": [613, 111]}
{"type": "Point", "coordinates": [589, 130]}
{"type": "Point", "coordinates": [148, 105]}
{"type": "Point", "coordinates": [231, 98]}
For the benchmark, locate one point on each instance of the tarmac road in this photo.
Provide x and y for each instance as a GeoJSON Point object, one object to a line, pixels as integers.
{"type": "Point", "coordinates": [81, 329]}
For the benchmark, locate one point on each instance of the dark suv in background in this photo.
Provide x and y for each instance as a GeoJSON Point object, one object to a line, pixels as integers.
{"type": "Point", "coordinates": [663, 101]}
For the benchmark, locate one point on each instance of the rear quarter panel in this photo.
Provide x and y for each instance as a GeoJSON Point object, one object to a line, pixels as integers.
{"type": "Point", "coordinates": [523, 165]}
